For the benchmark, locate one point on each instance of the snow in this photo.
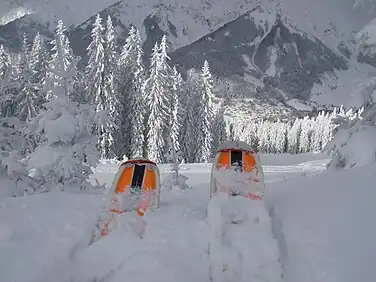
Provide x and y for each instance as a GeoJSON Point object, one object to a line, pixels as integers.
{"type": "Point", "coordinates": [232, 222]}
{"type": "Point", "coordinates": [369, 31]}
{"type": "Point", "coordinates": [354, 146]}
{"type": "Point", "coordinates": [235, 145]}
{"type": "Point", "coordinates": [192, 15]}
{"type": "Point", "coordinates": [338, 89]}
{"type": "Point", "coordinates": [312, 234]}
{"type": "Point", "coordinates": [272, 70]}
{"type": "Point", "coordinates": [325, 226]}
{"type": "Point", "coordinates": [297, 104]}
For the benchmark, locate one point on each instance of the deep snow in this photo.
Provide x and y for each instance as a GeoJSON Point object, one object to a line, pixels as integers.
{"type": "Point", "coordinates": [323, 226]}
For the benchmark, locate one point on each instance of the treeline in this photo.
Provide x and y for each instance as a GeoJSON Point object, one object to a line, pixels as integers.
{"type": "Point", "coordinates": [310, 134]}
{"type": "Point", "coordinates": [57, 121]}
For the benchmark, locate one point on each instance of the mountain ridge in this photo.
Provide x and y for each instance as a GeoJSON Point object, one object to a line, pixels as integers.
{"type": "Point", "coordinates": [188, 25]}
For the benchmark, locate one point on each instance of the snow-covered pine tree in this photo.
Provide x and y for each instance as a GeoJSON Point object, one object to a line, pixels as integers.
{"type": "Point", "coordinates": [272, 142]}
{"type": "Point", "coordinates": [14, 178]}
{"type": "Point", "coordinates": [97, 91]}
{"type": "Point", "coordinates": [318, 130]}
{"type": "Point", "coordinates": [206, 113]}
{"type": "Point", "coordinates": [38, 61]}
{"type": "Point", "coordinates": [157, 102]}
{"type": "Point", "coordinates": [26, 96]}
{"type": "Point", "coordinates": [189, 131]}
{"type": "Point", "coordinates": [130, 78]}
{"type": "Point", "coordinates": [5, 83]}
{"type": "Point", "coordinates": [263, 132]}
{"type": "Point", "coordinates": [110, 95]}
{"type": "Point", "coordinates": [280, 143]}
{"type": "Point", "coordinates": [68, 59]}
{"type": "Point", "coordinates": [66, 153]}
{"type": "Point", "coordinates": [174, 121]}
{"type": "Point", "coordinates": [22, 59]}
{"type": "Point", "coordinates": [327, 134]}
{"type": "Point", "coordinates": [293, 137]}
{"type": "Point", "coordinates": [304, 141]}
{"type": "Point", "coordinates": [169, 84]}
{"type": "Point", "coordinates": [183, 116]}
{"type": "Point", "coordinates": [218, 130]}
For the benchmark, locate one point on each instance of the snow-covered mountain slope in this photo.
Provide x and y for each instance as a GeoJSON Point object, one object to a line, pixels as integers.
{"type": "Point", "coordinates": [318, 236]}
{"type": "Point", "coordinates": [193, 25]}
{"type": "Point", "coordinates": [329, 19]}
{"type": "Point", "coordinates": [263, 45]}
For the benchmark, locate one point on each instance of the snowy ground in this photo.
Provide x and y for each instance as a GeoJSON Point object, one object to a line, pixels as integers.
{"type": "Point", "coordinates": [320, 231]}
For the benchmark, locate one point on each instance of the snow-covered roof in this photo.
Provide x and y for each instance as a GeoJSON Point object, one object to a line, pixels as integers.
{"type": "Point", "coordinates": [235, 145]}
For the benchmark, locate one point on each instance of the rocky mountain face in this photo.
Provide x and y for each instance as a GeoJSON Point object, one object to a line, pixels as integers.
{"type": "Point", "coordinates": [262, 46]}
{"type": "Point", "coordinates": [252, 45]}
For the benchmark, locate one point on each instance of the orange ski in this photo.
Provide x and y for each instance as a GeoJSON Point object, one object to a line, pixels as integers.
{"type": "Point", "coordinates": [242, 163]}
{"type": "Point", "coordinates": [136, 188]}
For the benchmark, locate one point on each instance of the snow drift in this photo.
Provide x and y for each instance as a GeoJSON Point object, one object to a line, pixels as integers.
{"type": "Point", "coordinates": [325, 225]}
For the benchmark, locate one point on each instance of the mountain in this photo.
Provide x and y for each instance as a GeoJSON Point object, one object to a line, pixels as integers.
{"type": "Point", "coordinates": [263, 45]}
{"type": "Point", "coordinates": [279, 53]}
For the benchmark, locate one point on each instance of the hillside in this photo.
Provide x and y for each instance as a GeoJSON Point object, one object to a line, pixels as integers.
{"type": "Point", "coordinates": [301, 59]}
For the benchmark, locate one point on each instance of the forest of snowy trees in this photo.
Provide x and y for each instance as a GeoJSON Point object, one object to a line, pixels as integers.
{"type": "Point", "coordinates": [310, 134]}
{"type": "Point", "coordinates": [57, 120]}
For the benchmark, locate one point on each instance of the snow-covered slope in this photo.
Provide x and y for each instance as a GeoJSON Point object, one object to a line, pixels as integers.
{"type": "Point", "coordinates": [329, 19]}
{"type": "Point", "coordinates": [325, 225]}
{"type": "Point", "coordinates": [266, 46]}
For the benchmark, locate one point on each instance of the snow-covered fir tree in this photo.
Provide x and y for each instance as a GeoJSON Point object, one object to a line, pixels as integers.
{"type": "Point", "coordinates": [27, 93]}
{"type": "Point", "coordinates": [67, 59]}
{"type": "Point", "coordinates": [174, 121]}
{"type": "Point", "coordinates": [281, 136]}
{"type": "Point", "coordinates": [294, 136]}
{"type": "Point", "coordinates": [66, 153]}
{"type": "Point", "coordinates": [109, 91]}
{"type": "Point", "coordinates": [156, 116]}
{"type": "Point", "coordinates": [218, 130]}
{"type": "Point", "coordinates": [100, 83]}
{"type": "Point", "coordinates": [304, 140]}
{"type": "Point", "coordinates": [130, 78]}
{"type": "Point", "coordinates": [95, 66]}
{"type": "Point", "coordinates": [38, 61]}
{"type": "Point", "coordinates": [5, 81]}
{"type": "Point", "coordinates": [206, 114]}
{"type": "Point", "coordinates": [14, 178]}
{"type": "Point", "coordinates": [170, 94]}
{"type": "Point", "coordinates": [190, 100]}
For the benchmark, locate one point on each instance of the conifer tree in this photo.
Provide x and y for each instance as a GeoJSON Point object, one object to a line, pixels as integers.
{"type": "Point", "coordinates": [218, 131]}
{"type": "Point", "coordinates": [131, 76]}
{"type": "Point", "coordinates": [206, 114]}
{"type": "Point", "coordinates": [99, 87]}
{"type": "Point", "coordinates": [156, 99]}
{"type": "Point", "coordinates": [66, 151]}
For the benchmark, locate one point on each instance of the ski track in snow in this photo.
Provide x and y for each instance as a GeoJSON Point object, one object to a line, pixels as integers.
{"type": "Point", "coordinates": [175, 246]}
